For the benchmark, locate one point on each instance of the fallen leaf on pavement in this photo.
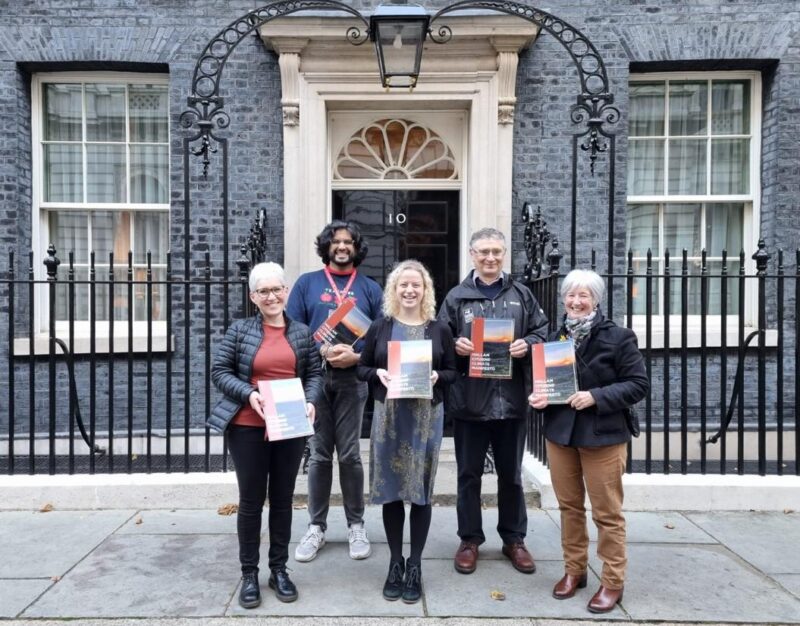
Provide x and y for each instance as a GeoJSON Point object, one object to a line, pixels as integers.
{"type": "Point", "coordinates": [138, 520]}
{"type": "Point", "coordinates": [46, 508]}
{"type": "Point", "coordinates": [668, 525]}
{"type": "Point", "coordinates": [55, 579]}
{"type": "Point", "coordinates": [788, 511]}
{"type": "Point", "coordinates": [497, 595]}
{"type": "Point", "coordinates": [228, 509]}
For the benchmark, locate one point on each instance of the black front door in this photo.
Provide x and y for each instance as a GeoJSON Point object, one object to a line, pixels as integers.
{"type": "Point", "coordinates": [399, 225]}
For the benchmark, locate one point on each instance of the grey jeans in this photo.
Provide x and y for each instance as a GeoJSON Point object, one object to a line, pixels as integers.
{"type": "Point", "coordinates": [338, 425]}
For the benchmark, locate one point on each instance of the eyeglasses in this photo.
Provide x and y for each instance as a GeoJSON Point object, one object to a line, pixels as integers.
{"type": "Point", "coordinates": [342, 242]}
{"type": "Point", "coordinates": [266, 292]}
{"type": "Point", "coordinates": [485, 252]}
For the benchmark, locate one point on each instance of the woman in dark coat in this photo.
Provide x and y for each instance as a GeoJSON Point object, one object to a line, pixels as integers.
{"type": "Point", "coordinates": [406, 433]}
{"type": "Point", "coordinates": [267, 346]}
{"type": "Point", "coordinates": [587, 438]}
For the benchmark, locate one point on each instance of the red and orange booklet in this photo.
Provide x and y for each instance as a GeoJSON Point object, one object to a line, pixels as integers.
{"type": "Point", "coordinates": [491, 343]}
{"type": "Point", "coordinates": [410, 369]}
{"type": "Point", "coordinates": [554, 370]}
{"type": "Point", "coordinates": [284, 405]}
{"type": "Point", "coordinates": [347, 324]}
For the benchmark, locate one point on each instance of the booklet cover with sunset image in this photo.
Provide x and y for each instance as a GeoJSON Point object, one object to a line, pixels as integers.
{"type": "Point", "coordinates": [491, 343]}
{"type": "Point", "coordinates": [554, 370]}
{"type": "Point", "coordinates": [409, 367]}
{"type": "Point", "coordinates": [284, 405]}
{"type": "Point", "coordinates": [347, 324]}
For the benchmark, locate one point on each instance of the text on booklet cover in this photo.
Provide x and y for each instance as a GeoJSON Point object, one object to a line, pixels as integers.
{"type": "Point", "coordinates": [284, 406]}
{"type": "Point", "coordinates": [409, 369]}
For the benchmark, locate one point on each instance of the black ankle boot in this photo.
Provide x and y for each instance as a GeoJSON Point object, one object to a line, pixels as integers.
{"type": "Point", "coordinates": [250, 593]}
{"type": "Point", "coordinates": [284, 588]}
{"type": "Point", "coordinates": [412, 587]}
{"type": "Point", "coordinates": [393, 587]}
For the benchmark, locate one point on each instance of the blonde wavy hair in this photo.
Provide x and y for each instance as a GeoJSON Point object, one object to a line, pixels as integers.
{"type": "Point", "coordinates": [391, 303]}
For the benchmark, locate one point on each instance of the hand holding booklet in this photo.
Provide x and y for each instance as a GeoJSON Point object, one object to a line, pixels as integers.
{"type": "Point", "coordinates": [409, 369]}
{"type": "Point", "coordinates": [284, 406]}
{"type": "Point", "coordinates": [347, 324]}
{"type": "Point", "coordinates": [554, 370]}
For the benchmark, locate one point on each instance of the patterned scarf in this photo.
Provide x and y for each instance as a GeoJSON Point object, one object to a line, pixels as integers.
{"type": "Point", "coordinates": [579, 328]}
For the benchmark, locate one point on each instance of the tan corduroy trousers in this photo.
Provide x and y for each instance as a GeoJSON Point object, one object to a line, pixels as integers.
{"type": "Point", "coordinates": [598, 471]}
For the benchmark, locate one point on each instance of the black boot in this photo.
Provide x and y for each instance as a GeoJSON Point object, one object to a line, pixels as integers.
{"type": "Point", "coordinates": [250, 593]}
{"type": "Point", "coordinates": [412, 588]}
{"type": "Point", "coordinates": [284, 588]}
{"type": "Point", "coordinates": [393, 587]}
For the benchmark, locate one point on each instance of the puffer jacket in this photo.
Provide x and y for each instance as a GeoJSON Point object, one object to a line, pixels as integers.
{"type": "Point", "coordinates": [610, 366]}
{"type": "Point", "coordinates": [484, 399]}
{"type": "Point", "coordinates": [233, 366]}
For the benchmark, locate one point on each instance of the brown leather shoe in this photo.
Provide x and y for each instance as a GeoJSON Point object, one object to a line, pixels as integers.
{"type": "Point", "coordinates": [521, 559]}
{"type": "Point", "coordinates": [566, 587]}
{"type": "Point", "coordinates": [466, 559]}
{"type": "Point", "coordinates": [604, 600]}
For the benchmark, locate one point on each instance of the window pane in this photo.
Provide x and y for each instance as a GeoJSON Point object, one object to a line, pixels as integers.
{"type": "Point", "coordinates": [640, 293]}
{"type": "Point", "coordinates": [105, 112]}
{"type": "Point", "coordinates": [682, 230]}
{"type": "Point", "coordinates": [642, 229]}
{"type": "Point", "coordinates": [148, 110]}
{"type": "Point", "coordinates": [140, 295]}
{"type": "Point", "coordinates": [63, 173]}
{"type": "Point", "coordinates": [715, 283]}
{"type": "Point", "coordinates": [151, 232]}
{"type": "Point", "coordinates": [149, 174]}
{"type": "Point", "coordinates": [688, 108]}
{"type": "Point", "coordinates": [687, 166]}
{"type": "Point", "coordinates": [724, 226]}
{"type": "Point", "coordinates": [62, 112]}
{"type": "Point", "coordinates": [111, 232]}
{"type": "Point", "coordinates": [120, 294]}
{"type": "Point", "coordinates": [105, 173]}
{"type": "Point", "coordinates": [646, 109]}
{"type": "Point", "coordinates": [645, 167]}
{"type": "Point", "coordinates": [730, 107]}
{"type": "Point", "coordinates": [81, 294]}
{"type": "Point", "coordinates": [69, 232]}
{"type": "Point", "coordinates": [730, 166]}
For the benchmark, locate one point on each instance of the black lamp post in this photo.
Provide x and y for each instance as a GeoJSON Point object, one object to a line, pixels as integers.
{"type": "Point", "coordinates": [399, 30]}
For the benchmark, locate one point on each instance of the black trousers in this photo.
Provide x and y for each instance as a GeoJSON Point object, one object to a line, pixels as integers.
{"type": "Point", "coordinates": [264, 469]}
{"type": "Point", "coordinates": [472, 440]}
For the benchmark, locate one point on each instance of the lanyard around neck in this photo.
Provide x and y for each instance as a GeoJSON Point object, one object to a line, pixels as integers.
{"type": "Point", "coordinates": [340, 295]}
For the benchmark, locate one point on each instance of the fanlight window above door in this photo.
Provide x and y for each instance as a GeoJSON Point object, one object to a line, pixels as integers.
{"type": "Point", "coordinates": [395, 149]}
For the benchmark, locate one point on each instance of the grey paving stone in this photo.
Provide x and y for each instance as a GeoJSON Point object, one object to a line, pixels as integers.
{"type": "Point", "coordinates": [652, 527]}
{"type": "Point", "coordinates": [683, 583]}
{"type": "Point", "coordinates": [48, 544]}
{"type": "Point", "coordinates": [759, 538]}
{"type": "Point", "coordinates": [448, 593]}
{"type": "Point", "coordinates": [334, 585]}
{"type": "Point", "coordinates": [791, 582]}
{"type": "Point", "coordinates": [147, 576]}
{"type": "Point", "coordinates": [15, 595]}
{"type": "Point", "coordinates": [187, 522]}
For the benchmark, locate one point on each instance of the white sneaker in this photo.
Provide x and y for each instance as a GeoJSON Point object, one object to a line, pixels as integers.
{"type": "Point", "coordinates": [310, 544]}
{"type": "Point", "coordinates": [359, 544]}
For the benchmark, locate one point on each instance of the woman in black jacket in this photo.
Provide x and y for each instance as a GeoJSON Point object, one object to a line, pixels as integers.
{"type": "Point", "coordinates": [406, 433]}
{"type": "Point", "coordinates": [587, 438]}
{"type": "Point", "coordinates": [267, 346]}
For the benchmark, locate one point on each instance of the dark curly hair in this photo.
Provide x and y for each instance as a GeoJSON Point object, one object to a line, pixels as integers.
{"type": "Point", "coordinates": [323, 241]}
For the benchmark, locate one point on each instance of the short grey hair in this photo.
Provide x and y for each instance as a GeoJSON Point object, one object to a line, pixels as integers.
{"type": "Point", "coordinates": [586, 279]}
{"type": "Point", "coordinates": [487, 233]}
{"type": "Point", "coordinates": [262, 271]}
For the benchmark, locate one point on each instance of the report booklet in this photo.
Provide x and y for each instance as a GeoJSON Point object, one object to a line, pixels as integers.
{"type": "Point", "coordinates": [554, 370]}
{"type": "Point", "coordinates": [491, 340]}
{"type": "Point", "coordinates": [410, 369]}
{"type": "Point", "coordinates": [284, 405]}
{"type": "Point", "coordinates": [347, 324]}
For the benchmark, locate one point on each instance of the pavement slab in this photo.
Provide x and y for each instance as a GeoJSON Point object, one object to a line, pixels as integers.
{"type": "Point", "coordinates": [147, 576]}
{"type": "Point", "coordinates": [49, 544]}
{"type": "Point", "coordinates": [333, 584]}
{"type": "Point", "coordinates": [448, 593]}
{"type": "Point", "coordinates": [185, 522]}
{"type": "Point", "coordinates": [684, 582]}
{"type": "Point", "coordinates": [790, 582]}
{"type": "Point", "coordinates": [15, 595]}
{"type": "Point", "coordinates": [760, 538]}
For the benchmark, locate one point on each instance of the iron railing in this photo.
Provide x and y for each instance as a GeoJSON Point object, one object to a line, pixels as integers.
{"type": "Point", "coordinates": [720, 344]}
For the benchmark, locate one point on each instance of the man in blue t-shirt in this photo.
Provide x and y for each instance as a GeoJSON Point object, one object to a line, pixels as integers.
{"type": "Point", "coordinates": [313, 298]}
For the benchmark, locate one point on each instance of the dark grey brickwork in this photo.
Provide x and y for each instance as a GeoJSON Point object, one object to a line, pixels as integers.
{"type": "Point", "coordinates": [657, 34]}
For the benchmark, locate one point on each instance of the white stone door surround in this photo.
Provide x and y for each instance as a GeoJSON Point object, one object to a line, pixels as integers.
{"type": "Point", "coordinates": [321, 72]}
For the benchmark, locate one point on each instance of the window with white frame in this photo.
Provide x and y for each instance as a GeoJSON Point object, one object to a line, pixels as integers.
{"type": "Point", "coordinates": [101, 181]}
{"type": "Point", "coordinates": [693, 172]}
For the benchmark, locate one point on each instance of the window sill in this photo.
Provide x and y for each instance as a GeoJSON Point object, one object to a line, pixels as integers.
{"type": "Point", "coordinates": [81, 344]}
{"type": "Point", "coordinates": [694, 337]}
